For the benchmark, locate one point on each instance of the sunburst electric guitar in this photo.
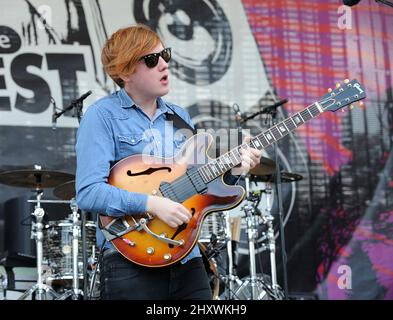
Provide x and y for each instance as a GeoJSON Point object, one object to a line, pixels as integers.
{"type": "Point", "coordinates": [194, 179]}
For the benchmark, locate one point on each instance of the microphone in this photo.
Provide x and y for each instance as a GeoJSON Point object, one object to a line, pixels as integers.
{"type": "Point", "coordinates": [351, 3]}
{"type": "Point", "coordinates": [82, 97]}
{"type": "Point", "coordinates": [272, 107]}
{"type": "Point", "coordinates": [265, 110]}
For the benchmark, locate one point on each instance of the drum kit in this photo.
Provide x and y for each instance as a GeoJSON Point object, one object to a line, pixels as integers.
{"type": "Point", "coordinates": [60, 253]}
{"type": "Point", "coordinates": [62, 246]}
{"type": "Point", "coordinates": [220, 235]}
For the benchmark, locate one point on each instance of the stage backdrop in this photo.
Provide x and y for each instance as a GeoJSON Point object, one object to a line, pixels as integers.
{"type": "Point", "coordinates": [338, 218]}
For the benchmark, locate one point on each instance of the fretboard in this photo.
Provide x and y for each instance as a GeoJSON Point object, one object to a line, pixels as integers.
{"type": "Point", "coordinates": [232, 158]}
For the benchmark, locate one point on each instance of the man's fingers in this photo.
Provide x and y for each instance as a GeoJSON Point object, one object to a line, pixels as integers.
{"type": "Point", "coordinates": [184, 211]}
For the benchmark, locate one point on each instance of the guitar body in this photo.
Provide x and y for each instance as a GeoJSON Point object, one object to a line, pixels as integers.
{"type": "Point", "coordinates": [145, 174]}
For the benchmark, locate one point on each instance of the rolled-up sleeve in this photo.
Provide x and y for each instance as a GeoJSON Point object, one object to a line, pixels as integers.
{"type": "Point", "coordinates": [95, 153]}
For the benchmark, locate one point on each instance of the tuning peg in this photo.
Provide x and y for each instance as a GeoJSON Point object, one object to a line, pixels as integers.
{"type": "Point", "coordinates": [346, 81]}
{"type": "Point", "coordinates": [351, 106]}
{"type": "Point", "coordinates": [361, 105]}
{"type": "Point", "coordinates": [330, 90]}
{"type": "Point", "coordinates": [338, 85]}
{"type": "Point", "coordinates": [343, 110]}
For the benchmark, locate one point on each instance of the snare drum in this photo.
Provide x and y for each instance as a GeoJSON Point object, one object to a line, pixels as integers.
{"type": "Point", "coordinates": [57, 247]}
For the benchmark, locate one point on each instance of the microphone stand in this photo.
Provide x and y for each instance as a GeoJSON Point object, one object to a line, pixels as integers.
{"type": "Point", "coordinates": [385, 2]}
{"type": "Point", "coordinates": [278, 187]}
{"type": "Point", "coordinates": [78, 105]}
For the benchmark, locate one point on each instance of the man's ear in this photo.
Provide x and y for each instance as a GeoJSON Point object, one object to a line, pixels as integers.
{"type": "Point", "coordinates": [124, 77]}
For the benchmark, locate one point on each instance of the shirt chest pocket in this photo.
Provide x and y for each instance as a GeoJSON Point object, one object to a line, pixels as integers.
{"type": "Point", "coordinates": [178, 141]}
{"type": "Point", "coordinates": [133, 144]}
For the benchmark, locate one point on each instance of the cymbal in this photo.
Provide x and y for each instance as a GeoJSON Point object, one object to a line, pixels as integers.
{"type": "Point", "coordinates": [34, 178]}
{"type": "Point", "coordinates": [265, 166]}
{"type": "Point", "coordinates": [65, 191]}
{"type": "Point", "coordinates": [285, 177]}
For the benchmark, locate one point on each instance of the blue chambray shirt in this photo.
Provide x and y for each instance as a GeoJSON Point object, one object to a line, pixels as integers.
{"type": "Point", "coordinates": [111, 129]}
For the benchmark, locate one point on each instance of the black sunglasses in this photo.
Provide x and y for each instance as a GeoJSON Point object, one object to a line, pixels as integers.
{"type": "Point", "coordinates": [151, 59]}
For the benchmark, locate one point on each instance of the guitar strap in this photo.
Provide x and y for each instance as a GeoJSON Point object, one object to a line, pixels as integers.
{"type": "Point", "coordinates": [179, 122]}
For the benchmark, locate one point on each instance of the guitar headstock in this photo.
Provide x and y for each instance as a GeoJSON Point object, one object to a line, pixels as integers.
{"type": "Point", "coordinates": [343, 95]}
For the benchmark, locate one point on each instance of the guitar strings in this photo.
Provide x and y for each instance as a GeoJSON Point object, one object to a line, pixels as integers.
{"type": "Point", "coordinates": [181, 182]}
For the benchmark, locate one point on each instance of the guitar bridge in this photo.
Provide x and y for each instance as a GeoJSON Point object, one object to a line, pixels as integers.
{"type": "Point", "coordinates": [143, 224]}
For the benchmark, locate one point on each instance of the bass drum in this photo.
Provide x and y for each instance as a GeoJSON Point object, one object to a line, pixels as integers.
{"type": "Point", "coordinates": [211, 270]}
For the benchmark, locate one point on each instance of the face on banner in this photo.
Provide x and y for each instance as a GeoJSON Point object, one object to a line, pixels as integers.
{"type": "Point", "coordinates": [50, 54]}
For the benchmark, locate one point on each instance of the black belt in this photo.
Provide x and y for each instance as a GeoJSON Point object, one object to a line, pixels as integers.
{"type": "Point", "coordinates": [109, 251]}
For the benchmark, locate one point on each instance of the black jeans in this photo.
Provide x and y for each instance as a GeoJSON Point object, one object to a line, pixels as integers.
{"type": "Point", "coordinates": [120, 279]}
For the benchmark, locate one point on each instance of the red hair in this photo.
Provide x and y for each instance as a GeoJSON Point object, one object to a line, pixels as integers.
{"type": "Point", "coordinates": [124, 48]}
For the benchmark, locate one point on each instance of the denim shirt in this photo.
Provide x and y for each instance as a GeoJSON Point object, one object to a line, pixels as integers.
{"type": "Point", "coordinates": [111, 129]}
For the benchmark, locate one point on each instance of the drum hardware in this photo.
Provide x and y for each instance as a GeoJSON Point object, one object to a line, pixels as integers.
{"type": "Point", "coordinates": [231, 279]}
{"type": "Point", "coordinates": [75, 292]}
{"type": "Point", "coordinates": [256, 287]}
{"type": "Point", "coordinates": [36, 179]}
{"type": "Point", "coordinates": [39, 289]}
{"type": "Point", "coordinates": [268, 220]}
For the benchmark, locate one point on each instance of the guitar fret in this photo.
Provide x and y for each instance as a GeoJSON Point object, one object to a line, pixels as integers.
{"type": "Point", "coordinates": [319, 107]}
{"type": "Point", "coordinates": [298, 120]}
{"type": "Point", "coordinates": [222, 166]}
{"type": "Point", "coordinates": [269, 137]}
{"type": "Point", "coordinates": [257, 144]}
{"type": "Point", "coordinates": [290, 124]}
{"type": "Point", "coordinates": [203, 174]}
{"type": "Point", "coordinates": [210, 171]}
{"type": "Point", "coordinates": [276, 133]}
{"type": "Point", "coordinates": [237, 155]}
{"type": "Point", "coordinates": [217, 168]}
{"type": "Point", "coordinates": [264, 142]}
{"type": "Point", "coordinates": [314, 110]}
{"type": "Point", "coordinates": [228, 159]}
{"type": "Point", "coordinates": [283, 128]}
{"type": "Point", "coordinates": [232, 156]}
{"type": "Point", "coordinates": [305, 115]}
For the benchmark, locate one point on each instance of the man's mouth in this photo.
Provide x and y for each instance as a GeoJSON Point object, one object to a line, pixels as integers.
{"type": "Point", "coordinates": [164, 78]}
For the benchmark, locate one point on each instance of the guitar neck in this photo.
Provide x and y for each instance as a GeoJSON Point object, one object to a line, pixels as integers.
{"type": "Point", "coordinates": [232, 158]}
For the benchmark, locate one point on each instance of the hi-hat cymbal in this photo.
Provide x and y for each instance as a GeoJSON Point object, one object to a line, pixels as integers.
{"type": "Point", "coordinates": [285, 177]}
{"type": "Point", "coordinates": [34, 178]}
{"type": "Point", "coordinates": [265, 166]}
{"type": "Point", "coordinates": [65, 191]}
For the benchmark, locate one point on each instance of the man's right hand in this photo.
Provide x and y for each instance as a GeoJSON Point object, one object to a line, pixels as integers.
{"type": "Point", "coordinates": [172, 213]}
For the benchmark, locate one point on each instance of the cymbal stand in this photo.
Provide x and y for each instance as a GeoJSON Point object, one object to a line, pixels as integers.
{"type": "Point", "coordinates": [231, 277]}
{"type": "Point", "coordinates": [267, 219]}
{"type": "Point", "coordinates": [75, 291]}
{"type": "Point", "coordinates": [40, 289]}
{"type": "Point", "coordinates": [252, 232]}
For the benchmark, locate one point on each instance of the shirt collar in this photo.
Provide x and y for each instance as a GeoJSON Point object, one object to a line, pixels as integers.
{"type": "Point", "coordinates": [127, 102]}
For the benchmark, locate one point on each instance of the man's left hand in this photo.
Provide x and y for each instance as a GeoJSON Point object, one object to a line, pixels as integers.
{"type": "Point", "coordinates": [250, 158]}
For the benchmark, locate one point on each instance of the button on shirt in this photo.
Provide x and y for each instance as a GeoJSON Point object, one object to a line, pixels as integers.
{"type": "Point", "coordinates": [111, 129]}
